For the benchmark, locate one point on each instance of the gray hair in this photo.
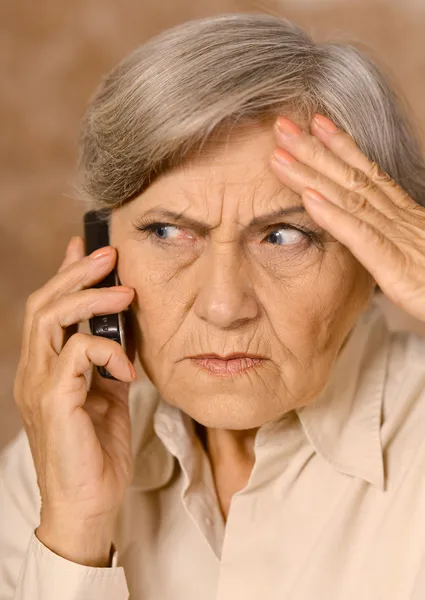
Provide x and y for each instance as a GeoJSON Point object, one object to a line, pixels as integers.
{"type": "Point", "coordinates": [180, 89]}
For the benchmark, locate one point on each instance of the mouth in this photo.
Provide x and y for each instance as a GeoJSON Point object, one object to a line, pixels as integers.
{"type": "Point", "coordinates": [226, 366]}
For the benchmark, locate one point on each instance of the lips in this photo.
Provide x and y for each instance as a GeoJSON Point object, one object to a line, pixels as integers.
{"type": "Point", "coordinates": [228, 356]}
{"type": "Point", "coordinates": [228, 365]}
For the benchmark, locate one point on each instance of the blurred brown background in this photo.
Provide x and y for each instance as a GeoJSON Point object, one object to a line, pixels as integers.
{"type": "Point", "coordinates": [52, 55]}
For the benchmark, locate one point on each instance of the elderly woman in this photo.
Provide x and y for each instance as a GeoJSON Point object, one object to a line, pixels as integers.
{"type": "Point", "coordinates": [259, 188]}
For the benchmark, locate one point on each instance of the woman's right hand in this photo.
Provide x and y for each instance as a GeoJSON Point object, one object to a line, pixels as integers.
{"type": "Point", "coordinates": [80, 440]}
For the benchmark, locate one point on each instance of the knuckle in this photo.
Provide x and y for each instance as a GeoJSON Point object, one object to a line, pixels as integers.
{"type": "Point", "coordinates": [355, 203]}
{"type": "Point", "coordinates": [357, 181]}
{"type": "Point", "coordinates": [378, 175]}
{"type": "Point", "coordinates": [41, 316]}
{"type": "Point", "coordinates": [316, 148]}
{"type": "Point", "coordinates": [75, 342]}
{"type": "Point", "coordinates": [33, 302]}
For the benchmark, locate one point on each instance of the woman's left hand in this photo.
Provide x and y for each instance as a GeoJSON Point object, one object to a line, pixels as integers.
{"type": "Point", "coordinates": [359, 205]}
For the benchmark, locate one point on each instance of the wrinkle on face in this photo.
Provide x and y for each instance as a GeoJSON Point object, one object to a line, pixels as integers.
{"type": "Point", "coordinates": [231, 290]}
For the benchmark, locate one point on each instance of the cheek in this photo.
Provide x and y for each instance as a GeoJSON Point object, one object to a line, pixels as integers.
{"type": "Point", "coordinates": [342, 301]}
{"type": "Point", "coordinates": [159, 306]}
{"type": "Point", "coordinates": [312, 313]}
{"type": "Point", "coordinates": [156, 278]}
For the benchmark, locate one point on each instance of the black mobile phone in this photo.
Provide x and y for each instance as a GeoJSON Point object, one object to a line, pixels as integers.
{"type": "Point", "coordinates": [96, 235]}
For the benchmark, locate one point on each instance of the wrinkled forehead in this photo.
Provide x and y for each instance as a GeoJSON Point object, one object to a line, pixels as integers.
{"type": "Point", "coordinates": [242, 143]}
{"type": "Point", "coordinates": [234, 164]}
{"type": "Point", "coordinates": [228, 179]}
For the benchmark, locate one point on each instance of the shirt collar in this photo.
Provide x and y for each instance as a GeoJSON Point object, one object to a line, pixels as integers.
{"type": "Point", "coordinates": [343, 423]}
{"type": "Point", "coordinates": [153, 464]}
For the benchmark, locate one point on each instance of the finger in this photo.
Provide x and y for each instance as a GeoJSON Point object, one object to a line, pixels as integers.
{"type": "Point", "coordinates": [297, 176]}
{"type": "Point", "coordinates": [79, 354]}
{"type": "Point", "coordinates": [47, 333]}
{"type": "Point", "coordinates": [76, 276]}
{"type": "Point", "coordinates": [74, 252]}
{"type": "Point", "coordinates": [344, 146]}
{"type": "Point", "coordinates": [328, 172]}
{"type": "Point", "coordinates": [376, 252]}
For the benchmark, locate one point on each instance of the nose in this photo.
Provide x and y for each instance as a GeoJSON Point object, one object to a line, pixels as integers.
{"type": "Point", "coordinates": [225, 296]}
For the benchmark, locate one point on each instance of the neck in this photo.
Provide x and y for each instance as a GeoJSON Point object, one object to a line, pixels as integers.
{"type": "Point", "coordinates": [222, 445]}
{"type": "Point", "coordinates": [231, 456]}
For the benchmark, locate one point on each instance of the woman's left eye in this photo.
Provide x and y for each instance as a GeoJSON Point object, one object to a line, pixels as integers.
{"type": "Point", "coordinates": [161, 231]}
{"type": "Point", "coordinates": [292, 235]}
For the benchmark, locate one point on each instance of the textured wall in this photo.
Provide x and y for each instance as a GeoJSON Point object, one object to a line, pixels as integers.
{"type": "Point", "coordinates": [52, 55]}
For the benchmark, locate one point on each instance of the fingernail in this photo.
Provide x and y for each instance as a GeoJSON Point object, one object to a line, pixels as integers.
{"type": "Point", "coordinates": [314, 196]}
{"type": "Point", "coordinates": [283, 157]}
{"type": "Point", "coordinates": [106, 251]}
{"type": "Point", "coordinates": [287, 127]}
{"type": "Point", "coordinates": [132, 371]}
{"type": "Point", "coordinates": [325, 123]}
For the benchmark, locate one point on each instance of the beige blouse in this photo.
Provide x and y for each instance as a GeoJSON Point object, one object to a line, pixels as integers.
{"type": "Point", "coordinates": [334, 508]}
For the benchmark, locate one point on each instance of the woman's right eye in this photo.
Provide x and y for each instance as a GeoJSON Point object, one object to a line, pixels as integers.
{"type": "Point", "coordinates": [160, 231]}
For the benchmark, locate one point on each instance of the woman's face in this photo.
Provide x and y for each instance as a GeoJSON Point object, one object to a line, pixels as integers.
{"type": "Point", "coordinates": [280, 287]}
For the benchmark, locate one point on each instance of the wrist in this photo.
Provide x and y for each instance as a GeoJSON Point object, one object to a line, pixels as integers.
{"type": "Point", "coordinates": [80, 543]}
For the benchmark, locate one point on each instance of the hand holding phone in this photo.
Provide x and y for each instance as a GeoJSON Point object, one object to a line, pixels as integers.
{"type": "Point", "coordinates": [80, 439]}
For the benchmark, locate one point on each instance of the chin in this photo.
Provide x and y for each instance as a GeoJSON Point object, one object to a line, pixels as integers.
{"type": "Point", "coordinates": [231, 412]}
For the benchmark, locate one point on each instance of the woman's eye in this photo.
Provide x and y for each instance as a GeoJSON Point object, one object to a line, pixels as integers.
{"type": "Point", "coordinates": [285, 236]}
{"type": "Point", "coordinates": [165, 231]}
{"type": "Point", "coordinates": [162, 230]}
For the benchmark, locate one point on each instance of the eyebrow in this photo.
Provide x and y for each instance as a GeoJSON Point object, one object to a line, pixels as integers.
{"type": "Point", "coordinates": [193, 223]}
